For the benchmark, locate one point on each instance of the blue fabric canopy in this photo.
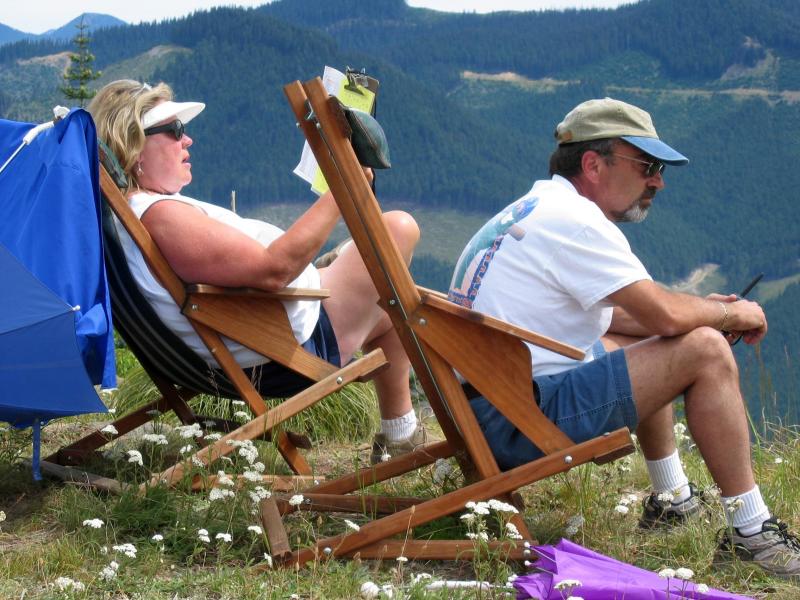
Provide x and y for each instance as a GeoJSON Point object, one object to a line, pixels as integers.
{"type": "Point", "coordinates": [56, 335]}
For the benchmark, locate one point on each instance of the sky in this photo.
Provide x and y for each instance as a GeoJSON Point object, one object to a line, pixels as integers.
{"type": "Point", "coordinates": [38, 16]}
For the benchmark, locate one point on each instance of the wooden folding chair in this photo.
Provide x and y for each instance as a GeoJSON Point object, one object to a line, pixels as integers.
{"type": "Point", "coordinates": [253, 318]}
{"type": "Point", "coordinates": [434, 333]}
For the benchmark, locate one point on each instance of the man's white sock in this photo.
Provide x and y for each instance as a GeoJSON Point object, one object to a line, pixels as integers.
{"type": "Point", "coordinates": [746, 511]}
{"type": "Point", "coordinates": [667, 476]}
{"type": "Point", "coordinates": [399, 428]}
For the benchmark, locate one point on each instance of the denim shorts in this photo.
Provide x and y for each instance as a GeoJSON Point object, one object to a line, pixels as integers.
{"type": "Point", "coordinates": [583, 402]}
{"type": "Point", "coordinates": [274, 380]}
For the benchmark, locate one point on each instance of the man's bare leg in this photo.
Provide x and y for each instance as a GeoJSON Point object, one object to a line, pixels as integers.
{"type": "Point", "coordinates": [700, 365]}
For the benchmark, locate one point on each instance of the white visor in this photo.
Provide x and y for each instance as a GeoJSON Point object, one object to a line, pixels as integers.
{"type": "Point", "coordinates": [185, 111]}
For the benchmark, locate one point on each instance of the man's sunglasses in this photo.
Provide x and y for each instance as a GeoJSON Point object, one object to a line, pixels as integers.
{"type": "Point", "coordinates": [175, 127]}
{"type": "Point", "coordinates": [653, 168]}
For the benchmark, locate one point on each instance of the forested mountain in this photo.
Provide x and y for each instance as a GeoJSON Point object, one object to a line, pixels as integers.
{"type": "Point", "coordinates": [469, 103]}
{"type": "Point", "coordinates": [65, 32]}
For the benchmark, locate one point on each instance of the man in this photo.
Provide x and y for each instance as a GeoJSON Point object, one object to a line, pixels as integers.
{"type": "Point", "coordinates": [567, 271]}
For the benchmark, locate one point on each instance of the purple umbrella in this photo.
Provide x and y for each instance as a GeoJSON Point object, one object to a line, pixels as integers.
{"type": "Point", "coordinates": [603, 578]}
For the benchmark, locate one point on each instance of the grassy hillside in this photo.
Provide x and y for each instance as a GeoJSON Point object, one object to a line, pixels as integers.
{"type": "Point", "coordinates": [65, 541]}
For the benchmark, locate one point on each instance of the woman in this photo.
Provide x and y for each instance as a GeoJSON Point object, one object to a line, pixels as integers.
{"type": "Point", "coordinates": [205, 243]}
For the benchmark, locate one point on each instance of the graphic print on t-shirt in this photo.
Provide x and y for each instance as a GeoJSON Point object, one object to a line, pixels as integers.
{"type": "Point", "coordinates": [477, 256]}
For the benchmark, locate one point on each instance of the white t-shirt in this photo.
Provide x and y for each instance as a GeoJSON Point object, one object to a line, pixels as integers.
{"type": "Point", "coordinates": [303, 315]}
{"type": "Point", "coordinates": [547, 262]}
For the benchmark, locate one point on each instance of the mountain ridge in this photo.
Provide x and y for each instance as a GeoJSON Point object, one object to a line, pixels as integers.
{"type": "Point", "coordinates": [473, 143]}
{"type": "Point", "coordinates": [65, 32]}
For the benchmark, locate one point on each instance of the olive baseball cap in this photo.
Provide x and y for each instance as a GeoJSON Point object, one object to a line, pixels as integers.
{"type": "Point", "coordinates": [609, 118]}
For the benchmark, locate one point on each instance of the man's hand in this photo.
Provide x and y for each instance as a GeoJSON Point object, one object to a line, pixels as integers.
{"type": "Point", "coordinates": [746, 319]}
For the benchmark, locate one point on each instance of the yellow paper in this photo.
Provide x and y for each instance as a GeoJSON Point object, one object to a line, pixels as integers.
{"type": "Point", "coordinates": [353, 99]}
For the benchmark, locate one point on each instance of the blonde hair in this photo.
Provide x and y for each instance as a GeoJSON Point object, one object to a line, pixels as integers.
{"type": "Point", "coordinates": [117, 110]}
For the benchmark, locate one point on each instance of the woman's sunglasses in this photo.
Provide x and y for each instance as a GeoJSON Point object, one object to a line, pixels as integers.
{"type": "Point", "coordinates": [175, 127]}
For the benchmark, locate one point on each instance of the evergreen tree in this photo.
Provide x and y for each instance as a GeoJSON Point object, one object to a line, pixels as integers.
{"type": "Point", "coordinates": [80, 72]}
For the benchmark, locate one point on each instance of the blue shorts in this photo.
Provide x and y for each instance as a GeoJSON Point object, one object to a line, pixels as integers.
{"type": "Point", "coordinates": [583, 402]}
{"type": "Point", "coordinates": [274, 380]}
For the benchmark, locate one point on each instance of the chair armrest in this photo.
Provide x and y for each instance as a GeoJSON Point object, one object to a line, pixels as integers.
{"type": "Point", "coordinates": [284, 294]}
{"type": "Point", "coordinates": [438, 300]}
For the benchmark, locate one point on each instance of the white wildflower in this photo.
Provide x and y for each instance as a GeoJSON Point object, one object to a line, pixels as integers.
{"type": "Point", "coordinates": [255, 529]}
{"type": "Point", "coordinates": [258, 493]}
{"type": "Point", "coordinates": [111, 430]}
{"type": "Point", "coordinates": [666, 497]}
{"type": "Point", "coordinates": [733, 504]}
{"type": "Point", "coordinates": [134, 456]}
{"type": "Point", "coordinates": [684, 573]}
{"type": "Point", "coordinates": [240, 415]}
{"type": "Point", "coordinates": [468, 517]}
{"type": "Point", "coordinates": [576, 522]}
{"type": "Point", "coordinates": [702, 588]}
{"type": "Point", "coordinates": [268, 560]}
{"type": "Point", "coordinates": [442, 470]}
{"type": "Point", "coordinates": [621, 509]}
{"type": "Point", "coordinates": [252, 476]}
{"type": "Point", "coordinates": [238, 403]}
{"type": "Point", "coordinates": [202, 535]}
{"type": "Point", "coordinates": [224, 479]}
{"type": "Point", "coordinates": [209, 423]}
{"type": "Point", "coordinates": [128, 550]}
{"type": "Point", "coordinates": [512, 532]}
{"type": "Point", "coordinates": [2, 516]}
{"type": "Point", "coordinates": [65, 584]}
{"type": "Point", "coordinates": [220, 494]}
{"type": "Point", "coordinates": [190, 431]}
{"type": "Point", "coordinates": [186, 449]}
{"type": "Point", "coordinates": [159, 439]}
{"type": "Point", "coordinates": [351, 525]}
{"type": "Point", "coordinates": [197, 462]}
{"type": "Point", "coordinates": [481, 535]}
{"type": "Point", "coordinates": [213, 437]}
{"type": "Point", "coordinates": [107, 574]}
{"type": "Point", "coordinates": [259, 467]}
{"type": "Point", "coordinates": [157, 538]}
{"type": "Point", "coordinates": [249, 453]}
{"type": "Point", "coordinates": [402, 559]}
{"type": "Point", "coordinates": [679, 428]}
{"type": "Point", "coordinates": [567, 584]}
{"type": "Point", "coordinates": [778, 460]}
{"type": "Point", "coordinates": [502, 506]}
{"type": "Point", "coordinates": [93, 523]}
{"type": "Point", "coordinates": [667, 573]}
{"type": "Point", "coordinates": [296, 500]}
{"type": "Point", "coordinates": [225, 537]}
{"type": "Point", "coordinates": [480, 508]}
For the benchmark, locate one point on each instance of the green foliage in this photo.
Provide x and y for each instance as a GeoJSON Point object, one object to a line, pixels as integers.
{"type": "Point", "coordinates": [80, 73]}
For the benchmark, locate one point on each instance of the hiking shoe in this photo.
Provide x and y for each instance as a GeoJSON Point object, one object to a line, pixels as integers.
{"type": "Point", "coordinates": [665, 513]}
{"type": "Point", "coordinates": [773, 549]}
{"type": "Point", "coordinates": [383, 449]}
